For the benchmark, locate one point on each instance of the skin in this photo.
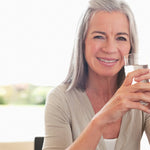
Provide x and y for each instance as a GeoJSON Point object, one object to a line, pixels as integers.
{"type": "Point", "coordinates": [106, 43]}
{"type": "Point", "coordinates": [107, 39]}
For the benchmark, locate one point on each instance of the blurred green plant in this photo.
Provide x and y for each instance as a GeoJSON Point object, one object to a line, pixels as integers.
{"type": "Point", "coordinates": [23, 94]}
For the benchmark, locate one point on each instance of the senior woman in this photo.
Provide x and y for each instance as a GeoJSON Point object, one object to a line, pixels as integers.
{"type": "Point", "coordinates": [96, 107]}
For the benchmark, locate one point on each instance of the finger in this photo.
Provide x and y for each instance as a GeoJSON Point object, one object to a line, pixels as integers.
{"type": "Point", "coordinates": [139, 106]}
{"type": "Point", "coordinates": [144, 78]}
{"type": "Point", "coordinates": [140, 87]}
{"type": "Point", "coordinates": [140, 72]}
{"type": "Point", "coordinates": [147, 93]}
{"type": "Point", "coordinates": [137, 97]}
{"type": "Point", "coordinates": [137, 73]}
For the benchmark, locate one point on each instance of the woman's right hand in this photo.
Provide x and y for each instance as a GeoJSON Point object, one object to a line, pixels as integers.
{"type": "Point", "coordinates": [127, 97]}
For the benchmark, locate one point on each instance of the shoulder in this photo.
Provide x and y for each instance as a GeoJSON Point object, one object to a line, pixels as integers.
{"type": "Point", "coordinates": [58, 90]}
{"type": "Point", "coordinates": [62, 102]}
{"type": "Point", "coordinates": [60, 95]}
{"type": "Point", "coordinates": [56, 94]}
{"type": "Point", "coordinates": [56, 105]}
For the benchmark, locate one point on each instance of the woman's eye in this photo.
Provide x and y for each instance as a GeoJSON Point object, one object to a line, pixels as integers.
{"type": "Point", "coordinates": [98, 37]}
{"type": "Point", "coordinates": [121, 39]}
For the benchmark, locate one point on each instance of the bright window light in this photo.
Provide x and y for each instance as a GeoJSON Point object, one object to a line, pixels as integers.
{"type": "Point", "coordinates": [36, 38]}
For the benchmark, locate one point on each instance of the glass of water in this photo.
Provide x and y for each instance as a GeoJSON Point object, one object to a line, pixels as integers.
{"type": "Point", "coordinates": [135, 61]}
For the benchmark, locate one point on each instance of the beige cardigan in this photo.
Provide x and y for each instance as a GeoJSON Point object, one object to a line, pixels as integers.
{"type": "Point", "coordinates": [68, 113]}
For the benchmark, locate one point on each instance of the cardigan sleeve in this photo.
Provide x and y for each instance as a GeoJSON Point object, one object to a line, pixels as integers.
{"type": "Point", "coordinates": [147, 126]}
{"type": "Point", "coordinates": [58, 134]}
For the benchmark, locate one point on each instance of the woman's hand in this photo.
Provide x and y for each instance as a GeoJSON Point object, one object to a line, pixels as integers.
{"type": "Point", "coordinates": [128, 97]}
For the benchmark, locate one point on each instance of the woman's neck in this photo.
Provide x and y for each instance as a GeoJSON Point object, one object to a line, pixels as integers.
{"type": "Point", "coordinates": [102, 86]}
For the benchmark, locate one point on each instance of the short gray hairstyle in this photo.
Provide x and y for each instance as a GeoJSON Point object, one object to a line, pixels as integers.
{"type": "Point", "coordinates": [78, 71]}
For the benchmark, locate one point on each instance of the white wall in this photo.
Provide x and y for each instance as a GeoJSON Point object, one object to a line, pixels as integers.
{"type": "Point", "coordinates": [40, 34]}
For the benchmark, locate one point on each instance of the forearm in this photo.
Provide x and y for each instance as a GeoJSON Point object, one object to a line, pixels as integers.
{"type": "Point", "coordinates": [89, 138]}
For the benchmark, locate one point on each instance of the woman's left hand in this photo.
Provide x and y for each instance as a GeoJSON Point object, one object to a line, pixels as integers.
{"type": "Point", "coordinates": [127, 97]}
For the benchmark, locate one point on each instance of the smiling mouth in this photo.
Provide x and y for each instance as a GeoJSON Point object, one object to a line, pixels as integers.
{"type": "Point", "coordinates": [107, 60]}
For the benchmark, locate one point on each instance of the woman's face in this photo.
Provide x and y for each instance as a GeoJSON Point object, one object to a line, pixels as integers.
{"type": "Point", "coordinates": [106, 42]}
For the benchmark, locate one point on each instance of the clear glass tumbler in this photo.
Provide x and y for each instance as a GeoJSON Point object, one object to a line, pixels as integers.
{"type": "Point", "coordinates": [135, 61]}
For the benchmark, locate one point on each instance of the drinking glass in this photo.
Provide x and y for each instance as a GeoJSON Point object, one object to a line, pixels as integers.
{"type": "Point", "coordinates": [135, 61]}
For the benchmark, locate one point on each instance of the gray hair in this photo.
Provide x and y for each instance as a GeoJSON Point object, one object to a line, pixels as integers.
{"type": "Point", "coordinates": [78, 71]}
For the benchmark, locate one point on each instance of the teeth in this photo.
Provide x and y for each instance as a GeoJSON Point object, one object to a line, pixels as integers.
{"type": "Point", "coordinates": [107, 61]}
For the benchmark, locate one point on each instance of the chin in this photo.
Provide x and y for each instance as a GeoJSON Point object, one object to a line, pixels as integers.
{"type": "Point", "coordinates": [108, 74]}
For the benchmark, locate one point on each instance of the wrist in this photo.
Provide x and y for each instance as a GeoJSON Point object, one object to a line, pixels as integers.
{"type": "Point", "coordinates": [98, 123]}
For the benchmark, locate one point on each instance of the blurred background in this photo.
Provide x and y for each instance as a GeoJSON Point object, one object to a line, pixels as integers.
{"type": "Point", "coordinates": [36, 41]}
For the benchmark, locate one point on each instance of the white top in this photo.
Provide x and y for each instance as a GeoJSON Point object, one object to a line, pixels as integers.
{"type": "Point", "coordinates": [110, 144]}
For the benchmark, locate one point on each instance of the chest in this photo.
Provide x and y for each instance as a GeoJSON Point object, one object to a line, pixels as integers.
{"type": "Point", "coordinates": [112, 130]}
{"type": "Point", "coordinates": [96, 101]}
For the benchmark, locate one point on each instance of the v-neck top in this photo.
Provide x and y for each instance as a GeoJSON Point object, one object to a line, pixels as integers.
{"type": "Point", "coordinates": [110, 144]}
{"type": "Point", "coordinates": [68, 113]}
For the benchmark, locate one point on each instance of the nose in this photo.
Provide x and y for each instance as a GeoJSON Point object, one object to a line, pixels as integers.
{"type": "Point", "coordinates": [110, 46]}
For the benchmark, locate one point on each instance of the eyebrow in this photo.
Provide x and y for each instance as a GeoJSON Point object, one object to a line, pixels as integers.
{"type": "Point", "coordinates": [123, 33]}
{"type": "Point", "coordinates": [120, 33]}
{"type": "Point", "coordinates": [100, 32]}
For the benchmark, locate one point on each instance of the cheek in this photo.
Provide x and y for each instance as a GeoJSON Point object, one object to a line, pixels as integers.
{"type": "Point", "coordinates": [125, 49]}
{"type": "Point", "coordinates": [91, 48]}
